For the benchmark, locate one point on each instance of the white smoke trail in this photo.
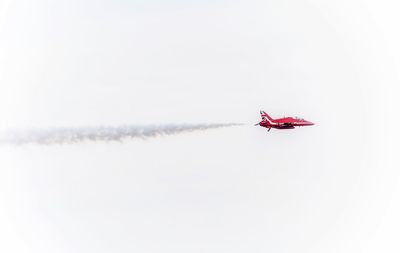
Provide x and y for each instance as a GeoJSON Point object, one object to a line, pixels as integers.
{"type": "Point", "coordinates": [75, 135]}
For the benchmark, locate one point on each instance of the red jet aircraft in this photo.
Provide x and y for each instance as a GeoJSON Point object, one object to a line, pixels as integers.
{"type": "Point", "coordinates": [282, 123]}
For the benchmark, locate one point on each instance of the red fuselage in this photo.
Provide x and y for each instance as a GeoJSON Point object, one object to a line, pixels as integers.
{"type": "Point", "coordinates": [282, 123]}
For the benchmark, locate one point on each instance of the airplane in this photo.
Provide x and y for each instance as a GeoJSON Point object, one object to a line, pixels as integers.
{"type": "Point", "coordinates": [282, 123]}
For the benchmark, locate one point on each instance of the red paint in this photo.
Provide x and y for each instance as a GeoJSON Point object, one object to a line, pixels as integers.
{"type": "Point", "coordinates": [282, 123]}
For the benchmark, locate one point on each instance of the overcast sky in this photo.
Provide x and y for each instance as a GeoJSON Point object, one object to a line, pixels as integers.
{"type": "Point", "coordinates": [332, 187]}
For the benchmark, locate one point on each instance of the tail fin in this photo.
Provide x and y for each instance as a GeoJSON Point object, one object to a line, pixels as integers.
{"type": "Point", "coordinates": [265, 115]}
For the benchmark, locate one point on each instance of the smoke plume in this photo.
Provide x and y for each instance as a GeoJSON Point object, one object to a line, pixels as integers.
{"type": "Point", "coordinates": [75, 135]}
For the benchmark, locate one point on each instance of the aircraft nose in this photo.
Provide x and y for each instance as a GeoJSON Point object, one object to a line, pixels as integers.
{"type": "Point", "coordinates": [310, 123]}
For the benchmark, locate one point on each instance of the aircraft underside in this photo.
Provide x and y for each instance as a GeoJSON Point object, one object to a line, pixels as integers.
{"type": "Point", "coordinates": [283, 127]}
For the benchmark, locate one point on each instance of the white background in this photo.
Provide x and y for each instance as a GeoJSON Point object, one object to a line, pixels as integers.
{"type": "Point", "coordinates": [333, 187]}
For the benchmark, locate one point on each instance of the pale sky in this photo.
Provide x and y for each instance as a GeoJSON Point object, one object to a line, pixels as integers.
{"type": "Point", "coordinates": [333, 187]}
